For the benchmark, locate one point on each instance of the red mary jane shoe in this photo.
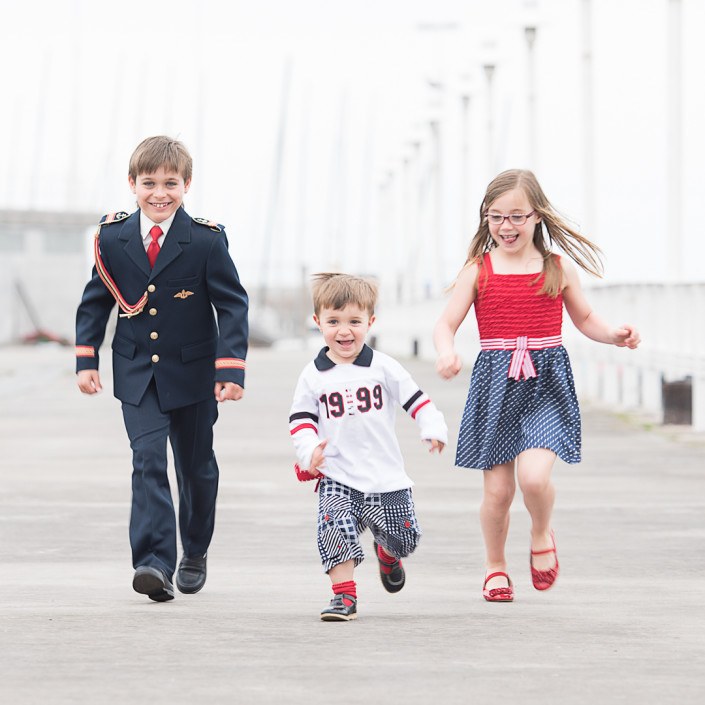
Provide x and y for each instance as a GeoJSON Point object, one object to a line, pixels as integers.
{"type": "Point", "coordinates": [501, 594]}
{"type": "Point", "coordinates": [544, 579]}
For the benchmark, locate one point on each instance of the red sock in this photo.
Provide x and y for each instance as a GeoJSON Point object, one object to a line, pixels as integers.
{"type": "Point", "coordinates": [347, 588]}
{"type": "Point", "coordinates": [384, 557]}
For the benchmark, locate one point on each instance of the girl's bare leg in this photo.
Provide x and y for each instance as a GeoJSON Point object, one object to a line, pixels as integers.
{"type": "Point", "coordinates": [534, 468]}
{"type": "Point", "coordinates": [499, 488]}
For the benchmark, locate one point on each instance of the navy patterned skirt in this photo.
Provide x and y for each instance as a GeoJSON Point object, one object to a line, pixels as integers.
{"type": "Point", "coordinates": [504, 416]}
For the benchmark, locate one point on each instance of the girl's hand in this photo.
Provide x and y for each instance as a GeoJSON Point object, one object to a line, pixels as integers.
{"type": "Point", "coordinates": [317, 459]}
{"type": "Point", "coordinates": [626, 337]}
{"type": "Point", "coordinates": [435, 445]}
{"type": "Point", "coordinates": [448, 365]}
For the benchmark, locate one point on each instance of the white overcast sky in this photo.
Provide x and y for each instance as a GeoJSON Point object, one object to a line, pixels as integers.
{"type": "Point", "coordinates": [82, 82]}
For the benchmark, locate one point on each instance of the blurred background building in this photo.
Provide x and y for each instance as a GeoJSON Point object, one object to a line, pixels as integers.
{"type": "Point", "coordinates": [43, 258]}
{"type": "Point", "coordinates": [361, 136]}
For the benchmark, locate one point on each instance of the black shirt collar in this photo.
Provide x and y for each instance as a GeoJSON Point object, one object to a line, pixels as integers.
{"type": "Point", "coordinates": [323, 362]}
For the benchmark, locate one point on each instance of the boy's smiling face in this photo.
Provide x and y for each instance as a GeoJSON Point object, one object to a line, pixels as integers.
{"type": "Point", "coordinates": [160, 194]}
{"type": "Point", "coordinates": [344, 331]}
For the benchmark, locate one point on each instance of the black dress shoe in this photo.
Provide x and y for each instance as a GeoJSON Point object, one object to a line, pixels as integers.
{"type": "Point", "coordinates": [154, 583]}
{"type": "Point", "coordinates": [191, 574]}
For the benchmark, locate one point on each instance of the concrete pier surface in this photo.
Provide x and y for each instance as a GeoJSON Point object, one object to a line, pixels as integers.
{"type": "Point", "coordinates": [623, 624]}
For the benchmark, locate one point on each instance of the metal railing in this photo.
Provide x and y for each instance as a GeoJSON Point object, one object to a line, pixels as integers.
{"type": "Point", "coordinates": [670, 318]}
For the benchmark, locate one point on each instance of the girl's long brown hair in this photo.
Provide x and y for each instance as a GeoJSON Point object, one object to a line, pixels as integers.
{"type": "Point", "coordinates": [584, 253]}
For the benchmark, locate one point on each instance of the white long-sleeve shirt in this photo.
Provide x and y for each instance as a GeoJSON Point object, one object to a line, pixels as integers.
{"type": "Point", "coordinates": [353, 407]}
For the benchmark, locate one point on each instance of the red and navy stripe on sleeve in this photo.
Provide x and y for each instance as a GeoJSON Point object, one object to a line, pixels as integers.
{"type": "Point", "coordinates": [416, 402]}
{"type": "Point", "coordinates": [302, 420]}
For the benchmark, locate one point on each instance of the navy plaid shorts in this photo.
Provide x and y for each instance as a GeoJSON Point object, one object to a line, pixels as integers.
{"type": "Point", "coordinates": [344, 513]}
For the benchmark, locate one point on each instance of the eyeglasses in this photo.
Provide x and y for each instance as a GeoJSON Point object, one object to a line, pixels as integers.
{"type": "Point", "coordinates": [514, 218]}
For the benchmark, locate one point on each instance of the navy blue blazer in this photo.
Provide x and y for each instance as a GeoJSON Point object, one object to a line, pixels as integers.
{"type": "Point", "coordinates": [176, 338]}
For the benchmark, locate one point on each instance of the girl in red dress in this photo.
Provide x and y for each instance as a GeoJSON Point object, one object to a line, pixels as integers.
{"type": "Point", "coordinates": [521, 412]}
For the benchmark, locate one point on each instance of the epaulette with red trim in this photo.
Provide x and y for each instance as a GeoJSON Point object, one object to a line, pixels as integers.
{"type": "Point", "coordinates": [113, 217]}
{"type": "Point", "coordinates": [215, 227]}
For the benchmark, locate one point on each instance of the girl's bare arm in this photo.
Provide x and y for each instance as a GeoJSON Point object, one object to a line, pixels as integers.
{"type": "Point", "coordinates": [448, 363]}
{"type": "Point", "coordinates": [586, 319]}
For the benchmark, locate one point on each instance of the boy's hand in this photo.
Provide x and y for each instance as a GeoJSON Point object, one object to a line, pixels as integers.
{"type": "Point", "coordinates": [228, 390]}
{"type": "Point", "coordinates": [89, 381]}
{"type": "Point", "coordinates": [435, 445]}
{"type": "Point", "coordinates": [317, 459]}
{"type": "Point", "coordinates": [448, 365]}
{"type": "Point", "coordinates": [626, 337]}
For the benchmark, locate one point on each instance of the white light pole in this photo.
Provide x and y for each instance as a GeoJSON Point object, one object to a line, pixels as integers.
{"type": "Point", "coordinates": [588, 124]}
{"type": "Point", "coordinates": [675, 141]}
{"type": "Point", "coordinates": [416, 229]}
{"type": "Point", "coordinates": [437, 223]}
{"type": "Point", "coordinates": [386, 241]}
{"type": "Point", "coordinates": [464, 166]}
{"type": "Point", "coordinates": [489, 74]}
{"type": "Point", "coordinates": [407, 239]}
{"type": "Point", "coordinates": [530, 35]}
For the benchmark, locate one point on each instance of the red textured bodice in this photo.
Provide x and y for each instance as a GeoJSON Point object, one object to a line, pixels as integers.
{"type": "Point", "coordinates": [509, 305]}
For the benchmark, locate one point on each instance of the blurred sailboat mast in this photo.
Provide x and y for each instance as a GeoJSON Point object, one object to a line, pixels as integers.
{"type": "Point", "coordinates": [40, 112]}
{"type": "Point", "coordinates": [272, 206]}
{"type": "Point", "coordinates": [75, 93]}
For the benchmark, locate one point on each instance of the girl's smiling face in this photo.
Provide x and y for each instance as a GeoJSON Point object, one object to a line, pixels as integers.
{"type": "Point", "coordinates": [508, 236]}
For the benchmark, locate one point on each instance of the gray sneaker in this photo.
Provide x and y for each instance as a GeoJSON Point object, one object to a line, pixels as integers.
{"type": "Point", "coordinates": [392, 575]}
{"type": "Point", "coordinates": [339, 611]}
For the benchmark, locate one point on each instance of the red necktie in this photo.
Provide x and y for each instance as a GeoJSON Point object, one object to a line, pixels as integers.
{"type": "Point", "coordinates": [153, 249]}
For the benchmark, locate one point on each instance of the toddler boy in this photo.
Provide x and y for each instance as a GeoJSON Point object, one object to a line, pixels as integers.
{"type": "Point", "coordinates": [342, 425]}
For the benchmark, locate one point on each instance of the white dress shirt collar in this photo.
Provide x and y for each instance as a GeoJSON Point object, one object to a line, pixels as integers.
{"type": "Point", "coordinates": [146, 225]}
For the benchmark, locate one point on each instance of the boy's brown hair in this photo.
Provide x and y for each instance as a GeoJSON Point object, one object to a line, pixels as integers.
{"type": "Point", "coordinates": [160, 151]}
{"type": "Point", "coordinates": [335, 290]}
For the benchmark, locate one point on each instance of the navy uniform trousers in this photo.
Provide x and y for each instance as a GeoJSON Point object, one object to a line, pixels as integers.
{"type": "Point", "coordinates": [152, 519]}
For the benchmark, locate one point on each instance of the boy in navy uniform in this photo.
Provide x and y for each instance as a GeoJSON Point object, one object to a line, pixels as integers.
{"type": "Point", "coordinates": [342, 422]}
{"type": "Point", "coordinates": [172, 360]}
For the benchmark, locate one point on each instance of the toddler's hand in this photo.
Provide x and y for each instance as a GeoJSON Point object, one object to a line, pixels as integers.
{"type": "Point", "coordinates": [304, 475]}
{"type": "Point", "coordinates": [435, 445]}
{"type": "Point", "coordinates": [626, 337]}
{"type": "Point", "coordinates": [448, 365]}
{"type": "Point", "coordinates": [317, 459]}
